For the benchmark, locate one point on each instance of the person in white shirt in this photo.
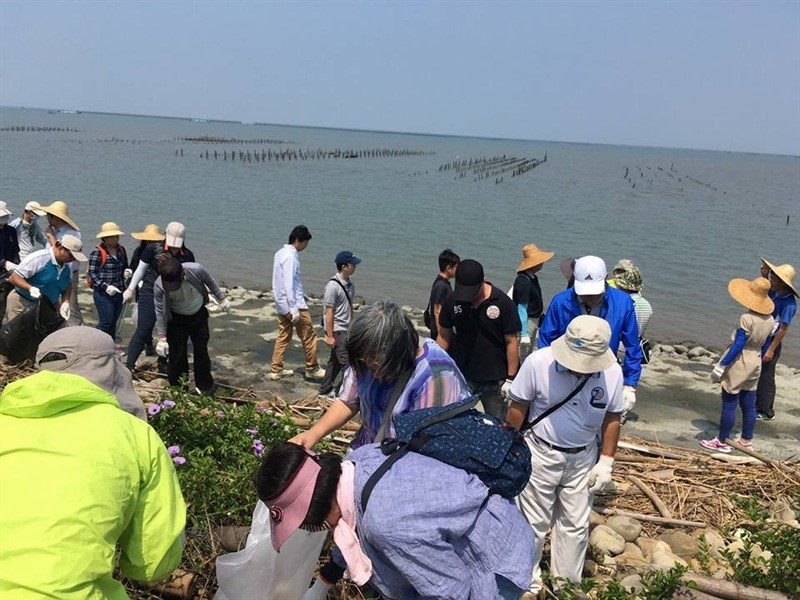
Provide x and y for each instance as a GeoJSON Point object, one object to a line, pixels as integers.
{"type": "Point", "coordinates": [290, 303]}
{"type": "Point", "coordinates": [563, 442]}
{"type": "Point", "coordinates": [29, 234]}
{"type": "Point", "coordinates": [61, 224]}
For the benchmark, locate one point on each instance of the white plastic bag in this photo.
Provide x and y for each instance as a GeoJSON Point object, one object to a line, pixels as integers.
{"type": "Point", "coordinates": [260, 573]}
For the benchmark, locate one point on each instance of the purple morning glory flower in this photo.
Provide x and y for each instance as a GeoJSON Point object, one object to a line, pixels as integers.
{"type": "Point", "coordinates": [220, 414]}
{"type": "Point", "coordinates": [154, 409]}
{"type": "Point", "coordinates": [252, 431]}
{"type": "Point", "coordinates": [174, 451]}
{"type": "Point", "coordinates": [167, 404]}
{"type": "Point", "coordinates": [179, 460]}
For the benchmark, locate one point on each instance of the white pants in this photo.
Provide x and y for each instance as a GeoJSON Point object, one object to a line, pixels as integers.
{"type": "Point", "coordinates": [556, 494]}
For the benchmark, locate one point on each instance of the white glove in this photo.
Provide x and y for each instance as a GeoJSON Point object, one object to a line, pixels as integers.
{"type": "Point", "coordinates": [628, 397]}
{"type": "Point", "coordinates": [127, 274]}
{"type": "Point", "coordinates": [10, 266]}
{"type": "Point", "coordinates": [716, 373]}
{"type": "Point", "coordinates": [318, 591]}
{"type": "Point", "coordinates": [525, 340]}
{"type": "Point", "coordinates": [600, 475]}
{"type": "Point", "coordinates": [127, 295]}
{"type": "Point", "coordinates": [112, 290]}
{"type": "Point", "coordinates": [295, 316]}
{"type": "Point", "coordinates": [162, 348]}
{"type": "Point", "coordinates": [225, 305]}
{"type": "Point", "coordinates": [64, 311]}
{"type": "Point", "coordinates": [506, 386]}
{"type": "Point", "coordinates": [35, 293]}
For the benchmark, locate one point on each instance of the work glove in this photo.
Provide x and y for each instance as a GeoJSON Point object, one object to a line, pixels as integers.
{"type": "Point", "coordinates": [127, 274]}
{"type": "Point", "coordinates": [127, 295]}
{"type": "Point", "coordinates": [112, 290]}
{"type": "Point", "coordinates": [295, 316]}
{"type": "Point", "coordinates": [506, 386]}
{"type": "Point", "coordinates": [716, 373]}
{"type": "Point", "coordinates": [318, 591]}
{"type": "Point", "coordinates": [35, 293]}
{"type": "Point", "coordinates": [629, 397]}
{"type": "Point", "coordinates": [225, 305]}
{"type": "Point", "coordinates": [525, 340]}
{"type": "Point", "coordinates": [10, 266]}
{"type": "Point", "coordinates": [600, 475]}
{"type": "Point", "coordinates": [64, 311]}
{"type": "Point", "coordinates": [162, 348]}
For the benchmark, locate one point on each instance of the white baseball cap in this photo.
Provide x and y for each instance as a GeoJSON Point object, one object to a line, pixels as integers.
{"type": "Point", "coordinates": [35, 207]}
{"type": "Point", "coordinates": [584, 346]}
{"type": "Point", "coordinates": [176, 233]}
{"type": "Point", "coordinates": [74, 245]}
{"type": "Point", "coordinates": [590, 276]}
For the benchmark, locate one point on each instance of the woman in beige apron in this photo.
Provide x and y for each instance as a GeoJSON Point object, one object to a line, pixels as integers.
{"type": "Point", "coordinates": [740, 366]}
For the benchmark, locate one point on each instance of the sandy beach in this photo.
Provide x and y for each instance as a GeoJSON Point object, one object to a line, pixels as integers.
{"type": "Point", "coordinates": [676, 402]}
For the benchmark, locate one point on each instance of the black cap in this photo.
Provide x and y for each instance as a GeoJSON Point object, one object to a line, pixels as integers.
{"type": "Point", "coordinates": [469, 279]}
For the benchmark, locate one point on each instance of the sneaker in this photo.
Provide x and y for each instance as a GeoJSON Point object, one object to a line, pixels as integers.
{"type": "Point", "coordinates": [760, 416]}
{"type": "Point", "coordinates": [210, 392]}
{"type": "Point", "coordinates": [318, 374]}
{"type": "Point", "coordinates": [743, 442]}
{"type": "Point", "coordinates": [119, 350]}
{"type": "Point", "coordinates": [716, 445]}
{"type": "Point", "coordinates": [282, 373]}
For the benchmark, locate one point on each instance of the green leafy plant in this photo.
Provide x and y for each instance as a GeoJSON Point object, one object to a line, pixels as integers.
{"type": "Point", "coordinates": [663, 584]}
{"type": "Point", "coordinates": [703, 558]}
{"type": "Point", "coordinates": [751, 507]}
{"type": "Point", "coordinates": [613, 590]}
{"type": "Point", "coordinates": [779, 572]}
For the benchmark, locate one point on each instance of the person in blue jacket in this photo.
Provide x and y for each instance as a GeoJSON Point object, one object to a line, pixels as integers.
{"type": "Point", "coordinates": [591, 296]}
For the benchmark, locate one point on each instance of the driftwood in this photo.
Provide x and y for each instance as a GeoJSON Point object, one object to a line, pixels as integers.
{"type": "Point", "coordinates": [729, 590]}
{"type": "Point", "coordinates": [651, 451]}
{"type": "Point", "coordinates": [765, 459]}
{"type": "Point", "coordinates": [181, 584]}
{"type": "Point", "coordinates": [652, 519]}
{"type": "Point", "coordinates": [689, 594]}
{"type": "Point", "coordinates": [657, 502]}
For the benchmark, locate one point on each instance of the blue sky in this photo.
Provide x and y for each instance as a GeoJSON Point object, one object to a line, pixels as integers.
{"type": "Point", "coordinates": [699, 75]}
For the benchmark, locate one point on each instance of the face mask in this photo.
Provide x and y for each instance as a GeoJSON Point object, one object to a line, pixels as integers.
{"type": "Point", "coordinates": [3, 220]}
{"type": "Point", "coordinates": [33, 217]}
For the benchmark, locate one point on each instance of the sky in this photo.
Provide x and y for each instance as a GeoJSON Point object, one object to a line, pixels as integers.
{"type": "Point", "coordinates": [712, 75]}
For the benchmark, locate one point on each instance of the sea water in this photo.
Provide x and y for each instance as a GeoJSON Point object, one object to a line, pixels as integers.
{"type": "Point", "coordinates": [694, 219]}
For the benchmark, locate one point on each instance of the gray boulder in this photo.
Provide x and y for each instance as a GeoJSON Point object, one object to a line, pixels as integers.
{"type": "Point", "coordinates": [627, 527]}
{"type": "Point", "coordinates": [606, 541]}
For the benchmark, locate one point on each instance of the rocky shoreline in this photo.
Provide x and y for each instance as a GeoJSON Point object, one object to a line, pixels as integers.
{"type": "Point", "coordinates": [677, 403]}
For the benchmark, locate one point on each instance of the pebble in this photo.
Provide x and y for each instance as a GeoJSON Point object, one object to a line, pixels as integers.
{"type": "Point", "coordinates": [680, 349]}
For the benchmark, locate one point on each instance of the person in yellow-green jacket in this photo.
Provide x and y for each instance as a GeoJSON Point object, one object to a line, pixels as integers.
{"type": "Point", "coordinates": [79, 477]}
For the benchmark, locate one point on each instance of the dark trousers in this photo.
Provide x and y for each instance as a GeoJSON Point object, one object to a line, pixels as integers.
{"type": "Point", "coordinates": [109, 308]}
{"type": "Point", "coordinates": [337, 363]}
{"type": "Point", "coordinates": [765, 398]}
{"type": "Point", "coordinates": [146, 320]}
{"type": "Point", "coordinates": [180, 330]}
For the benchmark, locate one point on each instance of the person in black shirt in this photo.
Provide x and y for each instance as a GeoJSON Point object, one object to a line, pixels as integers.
{"type": "Point", "coordinates": [440, 290]}
{"type": "Point", "coordinates": [527, 294]}
{"type": "Point", "coordinates": [479, 325]}
{"type": "Point", "coordinates": [9, 248]}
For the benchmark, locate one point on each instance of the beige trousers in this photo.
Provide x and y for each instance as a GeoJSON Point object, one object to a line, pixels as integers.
{"type": "Point", "coordinates": [307, 335]}
{"type": "Point", "coordinates": [15, 304]}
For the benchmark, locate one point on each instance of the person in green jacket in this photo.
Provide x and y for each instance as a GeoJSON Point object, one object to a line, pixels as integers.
{"type": "Point", "coordinates": [79, 476]}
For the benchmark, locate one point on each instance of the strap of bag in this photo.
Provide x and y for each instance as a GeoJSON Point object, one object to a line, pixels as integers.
{"type": "Point", "coordinates": [453, 411]}
{"type": "Point", "coordinates": [397, 390]}
{"type": "Point", "coordinates": [344, 289]}
{"type": "Point", "coordinates": [555, 407]}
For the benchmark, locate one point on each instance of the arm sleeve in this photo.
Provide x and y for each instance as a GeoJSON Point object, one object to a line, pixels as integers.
{"type": "Point", "coordinates": [211, 284]}
{"type": "Point", "coordinates": [288, 282]}
{"type": "Point", "coordinates": [159, 302]}
{"type": "Point", "coordinates": [349, 391]}
{"type": "Point", "coordinates": [139, 274]}
{"type": "Point", "coordinates": [739, 340]}
{"type": "Point", "coordinates": [522, 311]}
{"type": "Point", "coordinates": [786, 314]}
{"type": "Point", "coordinates": [632, 365]}
{"type": "Point", "coordinates": [153, 541]}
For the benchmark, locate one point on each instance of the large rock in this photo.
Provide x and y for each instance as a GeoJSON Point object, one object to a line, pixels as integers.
{"type": "Point", "coordinates": [697, 352]}
{"type": "Point", "coordinates": [632, 549]}
{"type": "Point", "coordinates": [681, 544]}
{"type": "Point", "coordinates": [595, 519]}
{"type": "Point", "coordinates": [631, 560]}
{"type": "Point", "coordinates": [606, 541]}
{"type": "Point", "coordinates": [782, 511]}
{"type": "Point", "coordinates": [649, 545]}
{"type": "Point", "coordinates": [627, 527]}
{"type": "Point", "coordinates": [714, 539]}
{"type": "Point", "coordinates": [664, 560]}
{"type": "Point", "coordinates": [632, 583]}
{"type": "Point", "coordinates": [680, 349]}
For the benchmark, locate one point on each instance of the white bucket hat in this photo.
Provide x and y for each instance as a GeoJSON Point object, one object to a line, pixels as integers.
{"type": "Point", "coordinates": [4, 212]}
{"type": "Point", "coordinates": [584, 346]}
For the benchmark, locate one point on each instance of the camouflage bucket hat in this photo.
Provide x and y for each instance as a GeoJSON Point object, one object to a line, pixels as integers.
{"type": "Point", "coordinates": [629, 280]}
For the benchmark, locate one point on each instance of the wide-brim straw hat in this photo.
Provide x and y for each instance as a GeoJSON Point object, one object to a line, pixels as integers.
{"type": "Point", "coordinates": [109, 229]}
{"type": "Point", "coordinates": [752, 294]}
{"type": "Point", "coordinates": [151, 233]}
{"type": "Point", "coordinates": [784, 272]}
{"type": "Point", "coordinates": [61, 210]}
{"type": "Point", "coordinates": [584, 346]}
{"type": "Point", "coordinates": [533, 256]}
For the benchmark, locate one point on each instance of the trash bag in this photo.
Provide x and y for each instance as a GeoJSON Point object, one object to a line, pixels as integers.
{"type": "Point", "coordinates": [5, 289]}
{"type": "Point", "coordinates": [260, 573]}
{"type": "Point", "coordinates": [21, 336]}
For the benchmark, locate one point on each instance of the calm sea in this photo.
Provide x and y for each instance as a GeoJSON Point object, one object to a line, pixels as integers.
{"type": "Point", "coordinates": [694, 220]}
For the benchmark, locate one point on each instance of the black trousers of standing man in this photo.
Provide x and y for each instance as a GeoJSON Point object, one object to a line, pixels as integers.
{"type": "Point", "coordinates": [180, 330]}
{"type": "Point", "coordinates": [337, 363]}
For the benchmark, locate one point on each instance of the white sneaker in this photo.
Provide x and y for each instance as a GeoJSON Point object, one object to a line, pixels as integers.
{"type": "Point", "coordinates": [283, 373]}
{"type": "Point", "coordinates": [318, 374]}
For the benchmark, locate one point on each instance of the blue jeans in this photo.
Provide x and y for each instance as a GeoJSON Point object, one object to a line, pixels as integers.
{"type": "Point", "coordinates": [745, 399]}
{"type": "Point", "coordinates": [109, 308]}
{"type": "Point", "coordinates": [146, 320]}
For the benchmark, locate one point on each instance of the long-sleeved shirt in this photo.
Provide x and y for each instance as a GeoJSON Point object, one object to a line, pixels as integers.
{"type": "Point", "coordinates": [28, 236]}
{"type": "Point", "coordinates": [616, 308]}
{"type": "Point", "coordinates": [110, 273]}
{"type": "Point", "coordinates": [9, 248]}
{"type": "Point", "coordinates": [287, 284]}
{"type": "Point", "coordinates": [196, 275]}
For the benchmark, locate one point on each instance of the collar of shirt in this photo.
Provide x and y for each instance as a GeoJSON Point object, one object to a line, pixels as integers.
{"type": "Point", "coordinates": [562, 369]}
{"type": "Point", "coordinates": [53, 258]}
{"type": "Point", "coordinates": [346, 282]}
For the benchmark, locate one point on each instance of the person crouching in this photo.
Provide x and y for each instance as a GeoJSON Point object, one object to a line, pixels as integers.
{"type": "Point", "coordinates": [180, 296]}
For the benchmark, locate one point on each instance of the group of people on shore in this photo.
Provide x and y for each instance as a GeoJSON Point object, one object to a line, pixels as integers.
{"type": "Point", "coordinates": [431, 530]}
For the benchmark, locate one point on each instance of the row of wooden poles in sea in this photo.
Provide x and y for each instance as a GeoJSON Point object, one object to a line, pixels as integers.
{"type": "Point", "coordinates": [30, 128]}
{"type": "Point", "coordinates": [269, 155]}
{"type": "Point", "coordinates": [496, 166]}
{"type": "Point", "coordinates": [648, 175]}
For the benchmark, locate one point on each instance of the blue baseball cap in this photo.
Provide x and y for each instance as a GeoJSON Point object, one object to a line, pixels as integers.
{"type": "Point", "coordinates": [345, 257]}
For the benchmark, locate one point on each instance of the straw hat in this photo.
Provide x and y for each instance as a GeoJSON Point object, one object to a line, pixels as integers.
{"type": "Point", "coordinates": [584, 346]}
{"type": "Point", "coordinates": [784, 272]}
{"type": "Point", "coordinates": [752, 294]}
{"type": "Point", "coordinates": [61, 210]}
{"type": "Point", "coordinates": [109, 229]}
{"type": "Point", "coordinates": [151, 233]}
{"type": "Point", "coordinates": [532, 256]}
